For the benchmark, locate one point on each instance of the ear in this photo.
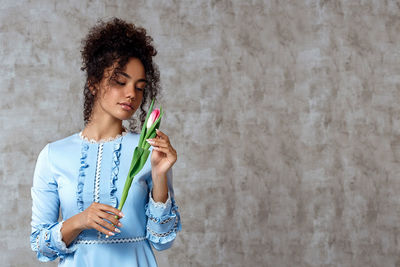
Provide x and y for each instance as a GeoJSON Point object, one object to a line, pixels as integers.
{"type": "Point", "coordinates": [92, 86]}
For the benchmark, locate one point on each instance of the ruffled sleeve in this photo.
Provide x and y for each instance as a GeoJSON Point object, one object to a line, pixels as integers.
{"type": "Point", "coordinates": [46, 237]}
{"type": "Point", "coordinates": [163, 218]}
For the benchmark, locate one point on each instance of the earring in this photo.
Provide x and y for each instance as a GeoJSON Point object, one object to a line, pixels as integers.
{"type": "Point", "coordinates": [94, 92]}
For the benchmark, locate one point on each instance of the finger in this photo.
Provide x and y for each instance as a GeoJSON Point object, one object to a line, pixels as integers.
{"type": "Point", "coordinates": [161, 134]}
{"type": "Point", "coordinates": [158, 142]}
{"type": "Point", "coordinates": [108, 228]}
{"type": "Point", "coordinates": [110, 217]}
{"type": "Point", "coordinates": [111, 209]}
{"type": "Point", "coordinates": [109, 220]}
{"type": "Point", "coordinates": [106, 224]}
{"type": "Point", "coordinates": [162, 149]}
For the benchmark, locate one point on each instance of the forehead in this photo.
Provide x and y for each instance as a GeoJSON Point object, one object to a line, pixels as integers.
{"type": "Point", "coordinates": [134, 69]}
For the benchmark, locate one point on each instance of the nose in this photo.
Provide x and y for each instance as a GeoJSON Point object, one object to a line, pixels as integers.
{"type": "Point", "coordinates": [131, 92]}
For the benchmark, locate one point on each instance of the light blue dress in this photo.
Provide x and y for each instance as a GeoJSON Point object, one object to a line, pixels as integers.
{"type": "Point", "coordinates": [74, 172]}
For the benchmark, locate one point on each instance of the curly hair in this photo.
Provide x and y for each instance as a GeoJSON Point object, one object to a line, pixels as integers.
{"type": "Point", "coordinates": [113, 43]}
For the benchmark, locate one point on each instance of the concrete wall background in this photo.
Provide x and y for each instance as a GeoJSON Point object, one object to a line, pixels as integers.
{"type": "Point", "coordinates": [284, 114]}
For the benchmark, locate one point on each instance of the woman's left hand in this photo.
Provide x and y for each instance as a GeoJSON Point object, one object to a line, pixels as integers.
{"type": "Point", "coordinates": [163, 155]}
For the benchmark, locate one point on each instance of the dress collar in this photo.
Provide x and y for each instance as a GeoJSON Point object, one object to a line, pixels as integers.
{"type": "Point", "coordinates": [104, 140]}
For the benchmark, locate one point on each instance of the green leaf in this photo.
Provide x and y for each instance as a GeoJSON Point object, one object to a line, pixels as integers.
{"type": "Point", "coordinates": [139, 159]}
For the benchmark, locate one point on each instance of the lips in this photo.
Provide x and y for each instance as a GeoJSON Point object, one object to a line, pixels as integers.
{"type": "Point", "coordinates": [127, 104]}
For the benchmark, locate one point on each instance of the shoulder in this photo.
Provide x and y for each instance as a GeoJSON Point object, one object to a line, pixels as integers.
{"type": "Point", "coordinates": [62, 148]}
{"type": "Point", "coordinates": [132, 135]}
{"type": "Point", "coordinates": [64, 143]}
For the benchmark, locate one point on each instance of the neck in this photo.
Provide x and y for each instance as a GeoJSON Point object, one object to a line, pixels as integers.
{"type": "Point", "coordinates": [102, 126]}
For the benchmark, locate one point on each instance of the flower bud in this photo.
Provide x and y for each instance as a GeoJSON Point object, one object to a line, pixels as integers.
{"type": "Point", "coordinates": [153, 117]}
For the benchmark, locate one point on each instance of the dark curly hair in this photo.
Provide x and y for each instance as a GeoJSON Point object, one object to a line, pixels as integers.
{"type": "Point", "coordinates": [113, 43]}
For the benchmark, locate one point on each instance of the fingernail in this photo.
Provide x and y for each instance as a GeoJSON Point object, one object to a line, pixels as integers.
{"type": "Point", "coordinates": [121, 214]}
{"type": "Point", "coordinates": [111, 233]}
{"type": "Point", "coordinates": [117, 230]}
{"type": "Point", "coordinates": [150, 141]}
{"type": "Point", "coordinates": [120, 224]}
{"type": "Point", "coordinates": [106, 236]}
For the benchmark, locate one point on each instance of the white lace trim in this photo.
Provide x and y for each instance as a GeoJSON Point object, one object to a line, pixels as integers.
{"type": "Point", "coordinates": [115, 240]}
{"type": "Point", "coordinates": [174, 228]}
{"type": "Point", "coordinates": [93, 141]}
{"type": "Point", "coordinates": [162, 222]}
{"type": "Point", "coordinates": [96, 197]}
{"type": "Point", "coordinates": [160, 204]}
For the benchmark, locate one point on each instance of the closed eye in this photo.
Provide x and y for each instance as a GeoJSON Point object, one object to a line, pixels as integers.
{"type": "Point", "coordinates": [121, 83]}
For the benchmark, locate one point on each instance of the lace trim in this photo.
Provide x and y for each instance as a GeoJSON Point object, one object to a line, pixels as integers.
{"type": "Point", "coordinates": [173, 229]}
{"type": "Point", "coordinates": [116, 240]}
{"type": "Point", "coordinates": [93, 141]}
{"type": "Point", "coordinates": [159, 204]}
{"type": "Point", "coordinates": [162, 222]}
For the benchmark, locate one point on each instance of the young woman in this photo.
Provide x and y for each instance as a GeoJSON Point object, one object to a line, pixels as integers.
{"type": "Point", "coordinates": [84, 174]}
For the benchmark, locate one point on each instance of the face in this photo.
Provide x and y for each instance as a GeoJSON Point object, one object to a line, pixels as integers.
{"type": "Point", "coordinates": [121, 95]}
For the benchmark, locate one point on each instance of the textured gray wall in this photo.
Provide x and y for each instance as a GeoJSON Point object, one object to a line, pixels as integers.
{"type": "Point", "coordinates": [284, 114]}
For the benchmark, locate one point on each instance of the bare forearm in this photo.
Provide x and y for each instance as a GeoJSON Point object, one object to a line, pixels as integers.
{"type": "Point", "coordinates": [70, 230]}
{"type": "Point", "coordinates": [160, 188]}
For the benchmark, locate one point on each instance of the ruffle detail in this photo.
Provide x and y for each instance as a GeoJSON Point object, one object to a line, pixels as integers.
{"type": "Point", "coordinates": [81, 177]}
{"type": "Point", "coordinates": [114, 173]}
{"type": "Point", "coordinates": [47, 242]}
{"type": "Point", "coordinates": [159, 219]}
{"type": "Point", "coordinates": [163, 238]}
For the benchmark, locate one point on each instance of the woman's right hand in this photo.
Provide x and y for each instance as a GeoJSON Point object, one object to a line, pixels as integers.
{"type": "Point", "coordinates": [94, 215]}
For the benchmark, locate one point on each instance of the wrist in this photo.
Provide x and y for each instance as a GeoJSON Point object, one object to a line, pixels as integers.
{"type": "Point", "coordinates": [76, 222]}
{"type": "Point", "coordinates": [158, 177]}
{"type": "Point", "coordinates": [160, 192]}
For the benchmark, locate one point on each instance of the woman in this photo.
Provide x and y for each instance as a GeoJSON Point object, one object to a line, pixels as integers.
{"type": "Point", "coordinates": [84, 173]}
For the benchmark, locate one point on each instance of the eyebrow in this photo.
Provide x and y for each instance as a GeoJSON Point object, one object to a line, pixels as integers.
{"type": "Point", "coordinates": [127, 75]}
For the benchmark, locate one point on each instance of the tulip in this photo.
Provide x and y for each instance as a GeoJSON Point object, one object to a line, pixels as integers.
{"type": "Point", "coordinates": [141, 153]}
{"type": "Point", "coordinates": [153, 117]}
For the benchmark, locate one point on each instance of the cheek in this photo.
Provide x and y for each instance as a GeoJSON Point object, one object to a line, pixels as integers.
{"type": "Point", "coordinates": [112, 96]}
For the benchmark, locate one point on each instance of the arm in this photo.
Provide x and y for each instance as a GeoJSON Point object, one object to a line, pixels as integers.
{"type": "Point", "coordinates": [46, 237]}
{"type": "Point", "coordinates": [163, 218]}
{"type": "Point", "coordinates": [70, 229]}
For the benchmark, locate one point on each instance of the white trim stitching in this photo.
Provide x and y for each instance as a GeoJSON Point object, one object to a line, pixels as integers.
{"type": "Point", "coordinates": [96, 195]}
{"type": "Point", "coordinates": [98, 167]}
{"type": "Point", "coordinates": [116, 240]}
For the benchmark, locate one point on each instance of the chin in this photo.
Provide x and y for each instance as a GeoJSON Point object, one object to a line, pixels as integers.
{"type": "Point", "coordinates": [123, 118]}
